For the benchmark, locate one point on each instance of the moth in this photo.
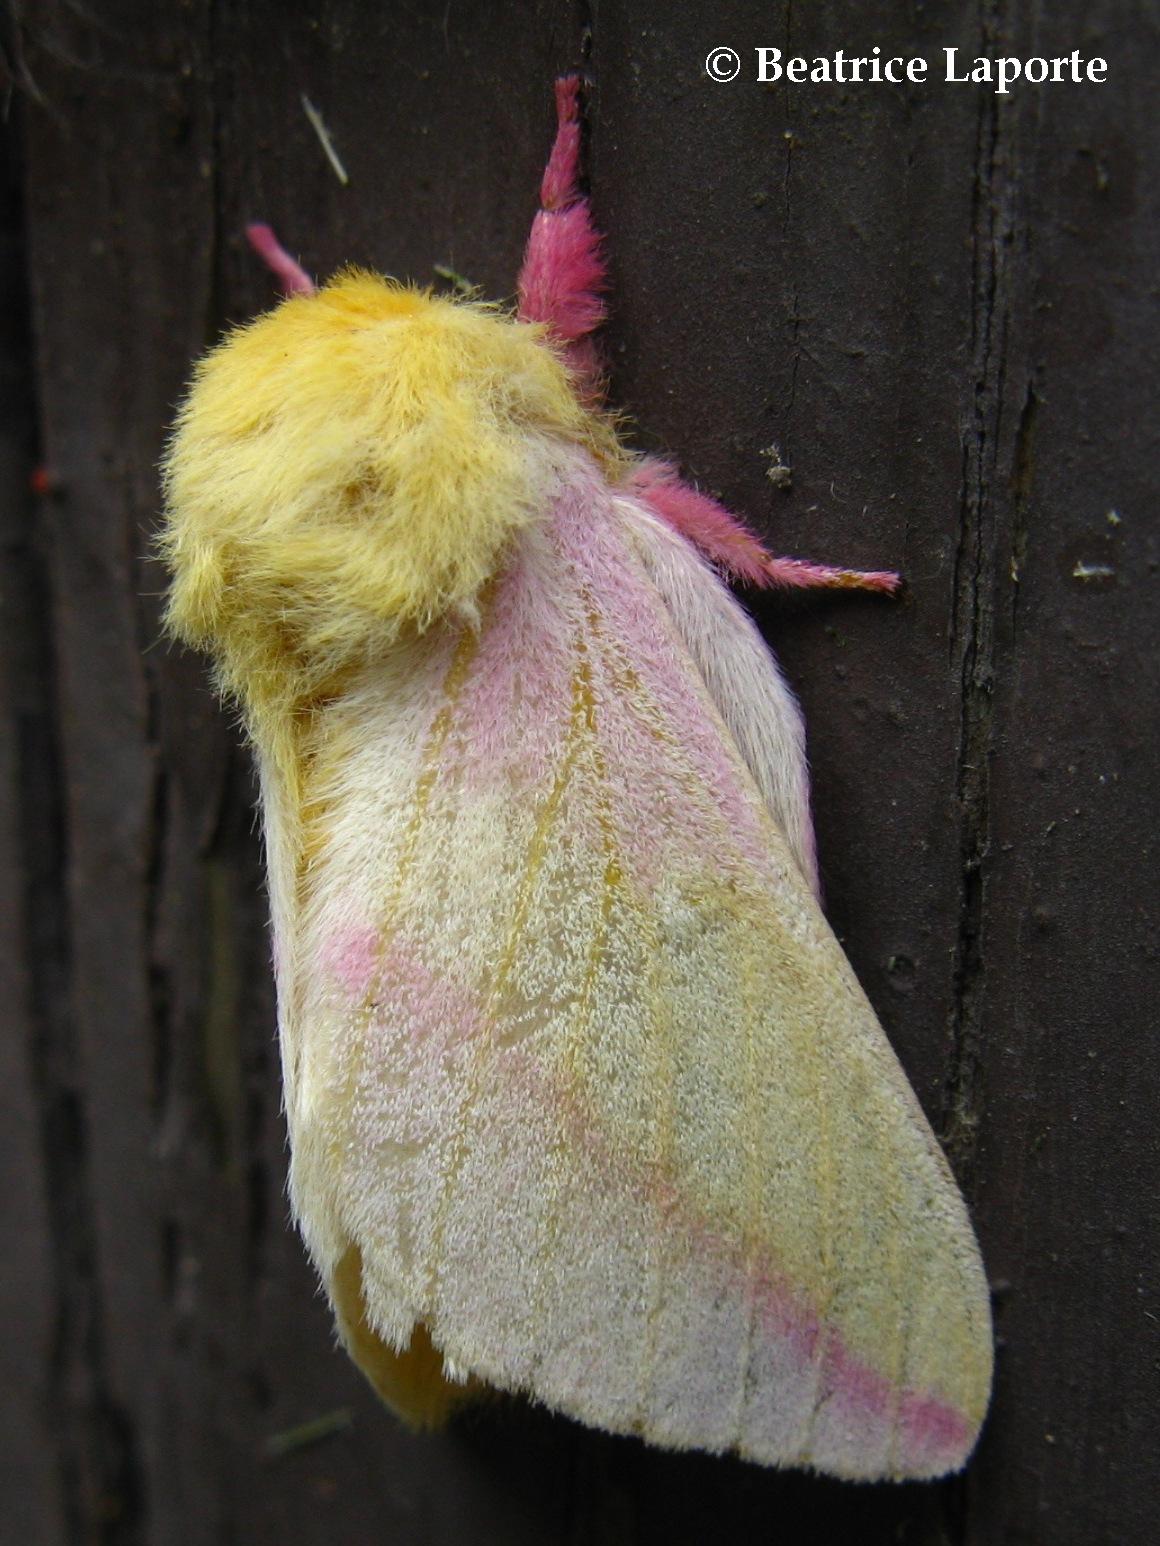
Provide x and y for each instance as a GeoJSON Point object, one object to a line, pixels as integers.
{"type": "Point", "coordinates": [584, 1099]}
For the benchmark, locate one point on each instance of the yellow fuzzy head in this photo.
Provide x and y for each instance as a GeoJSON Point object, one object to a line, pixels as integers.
{"type": "Point", "coordinates": [350, 464]}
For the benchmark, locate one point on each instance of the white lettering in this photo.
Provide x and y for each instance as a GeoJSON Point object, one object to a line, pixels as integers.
{"type": "Point", "coordinates": [768, 64]}
{"type": "Point", "coordinates": [854, 69]}
{"type": "Point", "coordinates": [952, 54]}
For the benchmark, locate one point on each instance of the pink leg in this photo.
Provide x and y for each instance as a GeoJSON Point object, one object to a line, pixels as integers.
{"type": "Point", "coordinates": [293, 279]}
{"type": "Point", "coordinates": [725, 540]}
{"type": "Point", "coordinates": [563, 271]}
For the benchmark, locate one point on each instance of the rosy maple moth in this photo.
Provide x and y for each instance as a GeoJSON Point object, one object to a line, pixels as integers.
{"type": "Point", "coordinates": [584, 1099]}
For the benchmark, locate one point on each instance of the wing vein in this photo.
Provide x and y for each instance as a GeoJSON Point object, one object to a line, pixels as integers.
{"type": "Point", "coordinates": [664, 1080]}
{"type": "Point", "coordinates": [826, 1333]}
{"type": "Point", "coordinates": [576, 1040]}
{"type": "Point", "coordinates": [902, 1323]}
{"type": "Point", "coordinates": [533, 863]}
{"type": "Point", "coordinates": [751, 1183]}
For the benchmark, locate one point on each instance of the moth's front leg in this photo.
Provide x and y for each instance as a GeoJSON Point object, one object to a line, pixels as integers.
{"type": "Point", "coordinates": [729, 543]}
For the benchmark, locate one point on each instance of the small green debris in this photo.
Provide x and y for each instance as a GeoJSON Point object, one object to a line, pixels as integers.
{"type": "Point", "coordinates": [458, 282]}
{"type": "Point", "coordinates": [305, 1434]}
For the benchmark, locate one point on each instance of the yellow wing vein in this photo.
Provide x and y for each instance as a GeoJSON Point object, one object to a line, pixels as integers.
{"type": "Point", "coordinates": [826, 1193]}
{"type": "Point", "coordinates": [901, 1351]}
{"type": "Point", "coordinates": [751, 1183]}
{"type": "Point", "coordinates": [658, 1039]}
{"type": "Point", "coordinates": [533, 863]}
{"type": "Point", "coordinates": [896, 1365]}
{"type": "Point", "coordinates": [581, 1019]}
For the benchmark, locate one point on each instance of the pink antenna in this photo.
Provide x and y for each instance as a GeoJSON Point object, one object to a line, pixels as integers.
{"type": "Point", "coordinates": [563, 271]}
{"type": "Point", "coordinates": [292, 277]}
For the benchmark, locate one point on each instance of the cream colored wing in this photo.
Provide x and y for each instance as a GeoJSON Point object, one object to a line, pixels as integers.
{"type": "Point", "coordinates": [578, 1078]}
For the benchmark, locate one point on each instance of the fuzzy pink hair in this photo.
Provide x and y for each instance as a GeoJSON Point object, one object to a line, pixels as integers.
{"type": "Point", "coordinates": [729, 543]}
{"type": "Point", "coordinates": [563, 271]}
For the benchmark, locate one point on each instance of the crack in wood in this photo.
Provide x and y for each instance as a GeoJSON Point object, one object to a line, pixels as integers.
{"type": "Point", "coordinates": [972, 633]}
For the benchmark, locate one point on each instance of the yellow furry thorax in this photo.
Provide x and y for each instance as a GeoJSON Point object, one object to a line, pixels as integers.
{"type": "Point", "coordinates": [350, 465]}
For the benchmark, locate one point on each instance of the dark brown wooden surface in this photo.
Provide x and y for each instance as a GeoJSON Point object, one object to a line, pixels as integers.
{"type": "Point", "coordinates": [941, 307]}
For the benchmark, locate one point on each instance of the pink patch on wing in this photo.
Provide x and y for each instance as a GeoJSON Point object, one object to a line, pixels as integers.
{"type": "Point", "coordinates": [861, 1389]}
{"type": "Point", "coordinates": [933, 1432]}
{"type": "Point", "coordinates": [517, 701]}
{"type": "Point", "coordinates": [434, 1014]}
{"type": "Point", "coordinates": [350, 956]}
{"type": "Point", "coordinates": [575, 605]}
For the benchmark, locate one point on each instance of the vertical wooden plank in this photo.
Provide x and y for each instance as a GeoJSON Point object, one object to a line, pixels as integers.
{"type": "Point", "coordinates": [32, 1459]}
{"type": "Point", "coordinates": [116, 190]}
{"type": "Point", "coordinates": [1068, 1071]}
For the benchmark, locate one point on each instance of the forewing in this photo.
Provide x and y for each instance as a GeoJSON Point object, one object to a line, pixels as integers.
{"type": "Point", "coordinates": [582, 1072]}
